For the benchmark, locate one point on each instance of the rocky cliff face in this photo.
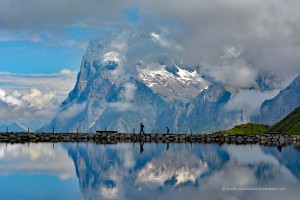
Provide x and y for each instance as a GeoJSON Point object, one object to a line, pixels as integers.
{"type": "Point", "coordinates": [204, 113]}
{"type": "Point", "coordinates": [273, 110]}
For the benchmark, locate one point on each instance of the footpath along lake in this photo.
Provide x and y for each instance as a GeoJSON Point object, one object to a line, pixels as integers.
{"type": "Point", "coordinates": [148, 171]}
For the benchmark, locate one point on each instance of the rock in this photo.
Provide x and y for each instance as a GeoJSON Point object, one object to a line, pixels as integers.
{"type": "Point", "coordinates": [239, 139]}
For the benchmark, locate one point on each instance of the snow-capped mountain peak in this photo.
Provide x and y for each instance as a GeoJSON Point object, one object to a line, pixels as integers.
{"type": "Point", "coordinates": [179, 84]}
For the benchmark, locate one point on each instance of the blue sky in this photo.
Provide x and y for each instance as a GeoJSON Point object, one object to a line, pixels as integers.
{"type": "Point", "coordinates": [50, 54]}
{"type": "Point", "coordinates": [36, 57]}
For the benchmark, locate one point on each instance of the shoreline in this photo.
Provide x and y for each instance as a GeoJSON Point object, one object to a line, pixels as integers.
{"type": "Point", "coordinates": [268, 139]}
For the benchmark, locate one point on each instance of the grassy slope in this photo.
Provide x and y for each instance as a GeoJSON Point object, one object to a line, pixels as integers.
{"type": "Point", "coordinates": [249, 128]}
{"type": "Point", "coordinates": [290, 124]}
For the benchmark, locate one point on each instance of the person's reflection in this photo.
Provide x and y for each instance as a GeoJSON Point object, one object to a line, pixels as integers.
{"type": "Point", "coordinates": [141, 146]}
{"type": "Point", "coordinates": [167, 146]}
{"type": "Point", "coordinates": [279, 148]}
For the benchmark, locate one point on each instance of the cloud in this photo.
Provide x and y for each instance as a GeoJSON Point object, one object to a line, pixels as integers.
{"type": "Point", "coordinates": [72, 111]}
{"type": "Point", "coordinates": [126, 97]}
{"type": "Point", "coordinates": [32, 98]}
{"type": "Point", "coordinates": [232, 41]}
{"type": "Point", "coordinates": [9, 99]}
{"type": "Point", "coordinates": [55, 12]}
{"type": "Point", "coordinates": [20, 107]}
{"type": "Point", "coordinates": [66, 72]}
{"type": "Point", "coordinates": [73, 43]}
{"type": "Point", "coordinates": [110, 57]}
{"type": "Point", "coordinates": [267, 31]}
{"type": "Point", "coordinates": [249, 101]}
{"type": "Point", "coordinates": [60, 84]}
{"type": "Point", "coordinates": [234, 73]}
{"type": "Point", "coordinates": [6, 36]}
{"type": "Point", "coordinates": [163, 41]}
{"type": "Point", "coordinates": [127, 94]}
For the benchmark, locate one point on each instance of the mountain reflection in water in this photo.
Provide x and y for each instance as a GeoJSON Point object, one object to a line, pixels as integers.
{"type": "Point", "coordinates": [151, 171]}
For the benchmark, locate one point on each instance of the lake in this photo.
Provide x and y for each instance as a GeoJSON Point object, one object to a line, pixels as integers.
{"type": "Point", "coordinates": [148, 171]}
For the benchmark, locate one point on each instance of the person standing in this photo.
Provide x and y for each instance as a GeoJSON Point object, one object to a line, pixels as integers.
{"type": "Point", "coordinates": [142, 128]}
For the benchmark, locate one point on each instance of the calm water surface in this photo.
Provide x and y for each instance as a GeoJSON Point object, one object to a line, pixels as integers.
{"type": "Point", "coordinates": [148, 171]}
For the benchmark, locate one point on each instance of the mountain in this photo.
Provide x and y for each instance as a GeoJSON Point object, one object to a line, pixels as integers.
{"type": "Point", "coordinates": [290, 124]}
{"type": "Point", "coordinates": [133, 77]}
{"type": "Point", "coordinates": [14, 127]}
{"type": "Point", "coordinates": [203, 113]}
{"type": "Point", "coordinates": [273, 110]}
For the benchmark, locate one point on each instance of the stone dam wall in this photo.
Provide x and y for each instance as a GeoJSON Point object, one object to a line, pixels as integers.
{"type": "Point", "coordinates": [271, 139]}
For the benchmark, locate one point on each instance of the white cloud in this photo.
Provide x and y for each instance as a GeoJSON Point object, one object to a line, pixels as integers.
{"type": "Point", "coordinates": [33, 97]}
{"type": "Point", "coordinates": [9, 99]}
{"type": "Point", "coordinates": [249, 101]}
{"type": "Point", "coordinates": [232, 52]}
{"type": "Point", "coordinates": [74, 43]}
{"type": "Point", "coordinates": [66, 72]}
{"type": "Point", "coordinates": [72, 111]}
{"type": "Point", "coordinates": [60, 84]}
{"type": "Point", "coordinates": [8, 36]}
{"type": "Point", "coordinates": [26, 106]}
{"type": "Point", "coordinates": [234, 73]}
{"type": "Point", "coordinates": [164, 38]}
{"type": "Point", "coordinates": [129, 91]}
{"type": "Point", "coordinates": [126, 97]}
{"type": "Point", "coordinates": [268, 32]}
{"type": "Point", "coordinates": [111, 56]}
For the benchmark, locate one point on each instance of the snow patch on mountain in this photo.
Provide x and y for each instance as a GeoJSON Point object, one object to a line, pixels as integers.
{"type": "Point", "coordinates": [183, 86]}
